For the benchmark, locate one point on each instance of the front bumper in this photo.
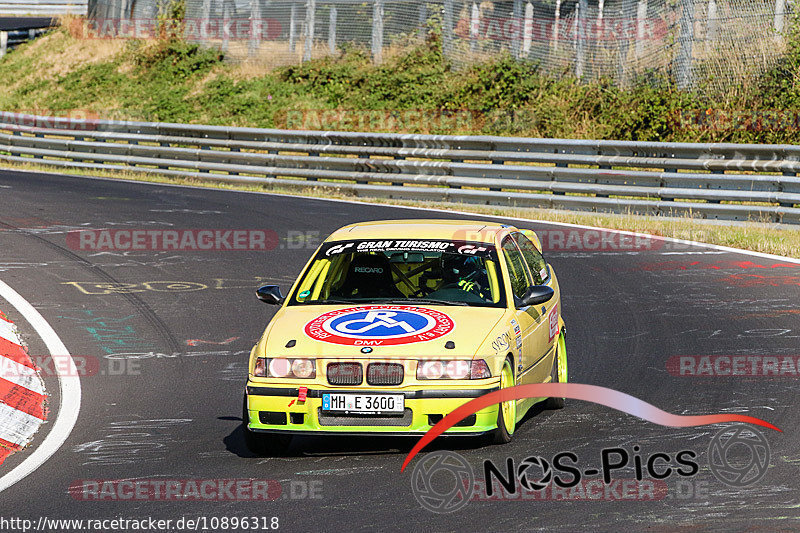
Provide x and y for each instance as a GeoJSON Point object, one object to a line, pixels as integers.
{"type": "Point", "coordinates": [273, 409]}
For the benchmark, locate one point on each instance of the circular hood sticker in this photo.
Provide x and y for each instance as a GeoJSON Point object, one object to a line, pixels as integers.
{"type": "Point", "coordinates": [380, 325]}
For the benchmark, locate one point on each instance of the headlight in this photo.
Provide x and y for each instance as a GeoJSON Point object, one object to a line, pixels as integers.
{"type": "Point", "coordinates": [303, 368]}
{"type": "Point", "coordinates": [280, 367]}
{"type": "Point", "coordinates": [430, 370]}
{"type": "Point", "coordinates": [457, 369]}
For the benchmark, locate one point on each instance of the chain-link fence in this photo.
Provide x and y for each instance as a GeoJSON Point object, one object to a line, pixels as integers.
{"type": "Point", "coordinates": [695, 42]}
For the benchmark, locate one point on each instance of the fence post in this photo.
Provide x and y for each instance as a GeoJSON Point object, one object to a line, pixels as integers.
{"type": "Point", "coordinates": [581, 10]}
{"type": "Point", "coordinates": [377, 32]}
{"type": "Point", "coordinates": [683, 63]}
{"type": "Point", "coordinates": [557, 25]}
{"type": "Point", "coordinates": [293, 27]}
{"type": "Point", "coordinates": [711, 21]}
{"type": "Point", "coordinates": [255, 28]}
{"type": "Point", "coordinates": [332, 31]}
{"type": "Point", "coordinates": [474, 27]}
{"type": "Point", "coordinates": [515, 36]}
{"type": "Point", "coordinates": [641, 14]}
{"type": "Point", "coordinates": [205, 19]}
{"type": "Point", "coordinates": [3, 43]}
{"type": "Point", "coordinates": [447, 28]}
{"type": "Point", "coordinates": [625, 43]}
{"type": "Point", "coordinates": [226, 17]}
{"type": "Point", "coordinates": [422, 18]}
{"type": "Point", "coordinates": [311, 13]}
{"type": "Point", "coordinates": [780, 17]}
{"type": "Point", "coordinates": [527, 29]}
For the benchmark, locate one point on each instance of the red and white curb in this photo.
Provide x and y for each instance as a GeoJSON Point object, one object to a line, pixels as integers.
{"type": "Point", "coordinates": [23, 402]}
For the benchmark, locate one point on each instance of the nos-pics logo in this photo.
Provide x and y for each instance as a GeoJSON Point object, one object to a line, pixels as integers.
{"type": "Point", "coordinates": [443, 481]}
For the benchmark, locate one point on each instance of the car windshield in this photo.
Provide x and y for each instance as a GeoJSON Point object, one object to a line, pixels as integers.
{"type": "Point", "coordinates": [432, 272]}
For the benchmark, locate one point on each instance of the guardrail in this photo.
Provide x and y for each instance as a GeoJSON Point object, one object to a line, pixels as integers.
{"type": "Point", "coordinates": [723, 181]}
{"type": "Point", "coordinates": [10, 39]}
{"type": "Point", "coordinates": [39, 8]}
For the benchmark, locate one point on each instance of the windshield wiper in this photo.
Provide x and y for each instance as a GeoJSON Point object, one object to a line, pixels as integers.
{"type": "Point", "coordinates": [332, 301]}
{"type": "Point", "coordinates": [409, 301]}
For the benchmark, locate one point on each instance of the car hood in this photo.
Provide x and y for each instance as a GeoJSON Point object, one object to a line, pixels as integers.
{"type": "Point", "coordinates": [392, 331]}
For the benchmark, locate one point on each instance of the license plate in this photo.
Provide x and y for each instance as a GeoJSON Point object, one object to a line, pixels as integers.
{"type": "Point", "coordinates": [363, 403]}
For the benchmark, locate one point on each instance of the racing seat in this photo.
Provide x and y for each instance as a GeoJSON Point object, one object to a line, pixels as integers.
{"type": "Point", "coordinates": [368, 276]}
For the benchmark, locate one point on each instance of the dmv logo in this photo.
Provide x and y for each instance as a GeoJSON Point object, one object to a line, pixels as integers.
{"type": "Point", "coordinates": [377, 325]}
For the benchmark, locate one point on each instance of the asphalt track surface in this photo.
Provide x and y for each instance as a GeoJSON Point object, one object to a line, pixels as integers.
{"type": "Point", "coordinates": [177, 415]}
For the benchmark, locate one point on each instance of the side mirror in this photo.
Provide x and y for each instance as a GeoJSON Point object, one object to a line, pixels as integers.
{"type": "Point", "coordinates": [536, 294]}
{"type": "Point", "coordinates": [270, 294]}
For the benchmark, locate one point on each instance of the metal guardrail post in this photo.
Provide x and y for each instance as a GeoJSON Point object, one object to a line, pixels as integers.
{"type": "Point", "coordinates": [683, 60]}
{"type": "Point", "coordinates": [447, 29]}
{"type": "Point", "coordinates": [311, 15]}
{"type": "Point", "coordinates": [581, 16]}
{"type": "Point", "coordinates": [205, 18]}
{"type": "Point", "coordinates": [377, 31]}
{"type": "Point", "coordinates": [332, 30]}
{"type": "Point", "coordinates": [641, 15]}
{"type": "Point", "coordinates": [293, 27]}
{"type": "Point", "coordinates": [556, 26]}
{"type": "Point", "coordinates": [226, 17]}
{"type": "Point", "coordinates": [712, 21]}
{"type": "Point", "coordinates": [779, 20]}
{"type": "Point", "coordinates": [516, 37]}
{"type": "Point", "coordinates": [474, 27]}
{"type": "Point", "coordinates": [527, 29]}
{"type": "Point", "coordinates": [256, 28]}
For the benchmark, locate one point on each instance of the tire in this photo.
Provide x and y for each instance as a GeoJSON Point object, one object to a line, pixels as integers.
{"type": "Point", "coordinates": [506, 411]}
{"type": "Point", "coordinates": [263, 444]}
{"type": "Point", "coordinates": [559, 372]}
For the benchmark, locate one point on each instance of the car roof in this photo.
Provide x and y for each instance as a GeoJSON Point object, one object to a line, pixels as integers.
{"type": "Point", "coordinates": [444, 229]}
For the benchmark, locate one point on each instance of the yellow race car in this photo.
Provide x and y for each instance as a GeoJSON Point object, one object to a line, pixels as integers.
{"type": "Point", "coordinates": [393, 324]}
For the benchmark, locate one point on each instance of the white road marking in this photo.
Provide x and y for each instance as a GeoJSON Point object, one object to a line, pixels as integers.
{"type": "Point", "coordinates": [69, 385]}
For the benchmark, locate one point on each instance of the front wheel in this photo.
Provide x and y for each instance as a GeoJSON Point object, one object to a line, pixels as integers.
{"type": "Point", "coordinates": [263, 444]}
{"type": "Point", "coordinates": [506, 411]}
{"type": "Point", "coordinates": [559, 372]}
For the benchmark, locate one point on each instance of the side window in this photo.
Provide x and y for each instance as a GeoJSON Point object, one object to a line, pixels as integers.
{"type": "Point", "coordinates": [536, 263]}
{"type": "Point", "coordinates": [516, 268]}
